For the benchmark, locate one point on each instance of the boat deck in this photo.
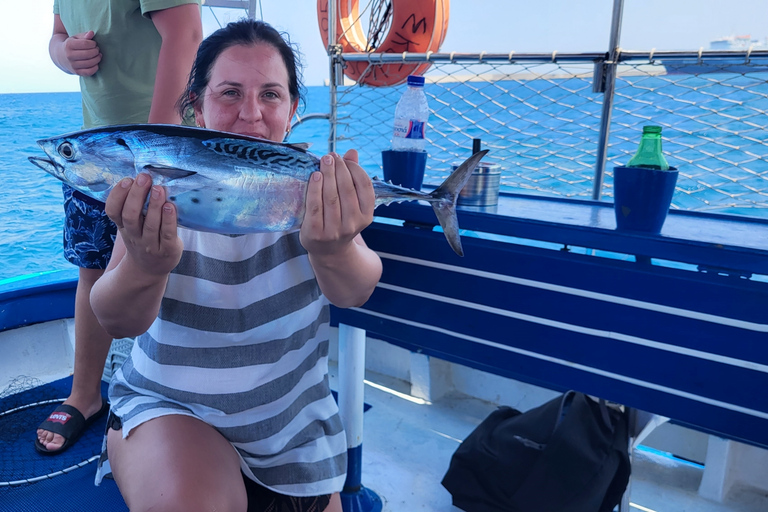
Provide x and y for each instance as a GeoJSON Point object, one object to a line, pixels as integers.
{"type": "Point", "coordinates": [407, 447]}
{"type": "Point", "coordinates": [407, 442]}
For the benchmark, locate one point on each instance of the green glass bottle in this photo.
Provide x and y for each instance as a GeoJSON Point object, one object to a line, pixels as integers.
{"type": "Point", "coordinates": [649, 155]}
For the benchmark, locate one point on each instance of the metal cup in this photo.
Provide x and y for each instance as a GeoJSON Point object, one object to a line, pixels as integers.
{"type": "Point", "coordinates": [482, 188]}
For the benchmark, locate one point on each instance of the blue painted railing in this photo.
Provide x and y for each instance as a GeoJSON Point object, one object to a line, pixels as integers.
{"type": "Point", "coordinates": [34, 298]}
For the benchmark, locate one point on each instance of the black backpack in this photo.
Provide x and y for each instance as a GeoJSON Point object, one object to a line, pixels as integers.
{"type": "Point", "coordinates": [568, 455]}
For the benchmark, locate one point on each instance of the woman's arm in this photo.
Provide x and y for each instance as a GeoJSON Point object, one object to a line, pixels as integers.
{"type": "Point", "coordinates": [348, 278]}
{"type": "Point", "coordinates": [339, 205]}
{"type": "Point", "coordinates": [126, 299]}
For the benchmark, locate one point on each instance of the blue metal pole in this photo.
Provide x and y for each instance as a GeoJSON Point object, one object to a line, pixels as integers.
{"type": "Point", "coordinates": [355, 497]}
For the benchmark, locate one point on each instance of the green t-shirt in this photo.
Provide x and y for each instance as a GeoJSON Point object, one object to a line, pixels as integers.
{"type": "Point", "coordinates": [120, 92]}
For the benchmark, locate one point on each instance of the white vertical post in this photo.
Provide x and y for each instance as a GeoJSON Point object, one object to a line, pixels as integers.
{"type": "Point", "coordinates": [351, 385]}
{"type": "Point", "coordinates": [354, 497]}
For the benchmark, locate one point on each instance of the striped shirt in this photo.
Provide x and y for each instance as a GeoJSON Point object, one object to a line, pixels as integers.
{"type": "Point", "coordinates": [241, 342]}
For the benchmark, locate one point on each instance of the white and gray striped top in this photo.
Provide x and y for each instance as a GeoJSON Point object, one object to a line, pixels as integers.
{"type": "Point", "coordinates": [241, 341]}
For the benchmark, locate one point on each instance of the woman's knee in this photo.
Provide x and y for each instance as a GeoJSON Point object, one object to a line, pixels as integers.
{"type": "Point", "coordinates": [176, 463]}
{"type": "Point", "coordinates": [186, 497]}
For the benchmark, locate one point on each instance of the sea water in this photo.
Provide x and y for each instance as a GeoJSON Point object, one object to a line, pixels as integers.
{"type": "Point", "coordinates": [31, 214]}
{"type": "Point", "coordinates": [30, 200]}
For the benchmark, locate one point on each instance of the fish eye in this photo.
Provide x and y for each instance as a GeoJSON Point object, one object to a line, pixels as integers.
{"type": "Point", "coordinates": [67, 151]}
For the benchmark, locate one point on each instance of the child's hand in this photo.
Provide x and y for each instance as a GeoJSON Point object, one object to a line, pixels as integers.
{"type": "Point", "coordinates": [82, 54]}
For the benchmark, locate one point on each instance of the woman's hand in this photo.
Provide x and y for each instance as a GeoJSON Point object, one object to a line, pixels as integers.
{"type": "Point", "coordinates": [339, 205]}
{"type": "Point", "coordinates": [127, 298]}
{"type": "Point", "coordinates": [150, 238]}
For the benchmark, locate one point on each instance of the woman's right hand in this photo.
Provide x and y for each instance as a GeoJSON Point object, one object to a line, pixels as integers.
{"type": "Point", "coordinates": [151, 239]}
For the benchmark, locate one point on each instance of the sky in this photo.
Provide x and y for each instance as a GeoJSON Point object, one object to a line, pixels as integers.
{"type": "Point", "coordinates": [495, 26]}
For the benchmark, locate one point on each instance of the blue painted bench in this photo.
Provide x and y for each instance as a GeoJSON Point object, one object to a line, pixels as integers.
{"type": "Point", "coordinates": [674, 324]}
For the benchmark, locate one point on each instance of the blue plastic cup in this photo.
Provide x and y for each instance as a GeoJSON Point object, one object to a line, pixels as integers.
{"type": "Point", "coordinates": [404, 168]}
{"type": "Point", "coordinates": [641, 197]}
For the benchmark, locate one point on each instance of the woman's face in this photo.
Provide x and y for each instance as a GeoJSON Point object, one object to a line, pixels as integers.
{"type": "Point", "coordinates": [248, 94]}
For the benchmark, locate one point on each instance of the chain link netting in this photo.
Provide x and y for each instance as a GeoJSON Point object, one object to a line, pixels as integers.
{"type": "Point", "coordinates": [541, 120]}
{"type": "Point", "coordinates": [713, 114]}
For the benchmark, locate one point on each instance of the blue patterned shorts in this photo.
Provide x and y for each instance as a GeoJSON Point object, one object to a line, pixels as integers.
{"type": "Point", "coordinates": [89, 235]}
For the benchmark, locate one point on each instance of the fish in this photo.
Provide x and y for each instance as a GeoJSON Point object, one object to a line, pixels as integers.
{"type": "Point", "coordinates": [221, 182]}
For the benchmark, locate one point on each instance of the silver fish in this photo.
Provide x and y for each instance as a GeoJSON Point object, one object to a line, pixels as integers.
{"type": "Point", "coordinates": [220, 182]}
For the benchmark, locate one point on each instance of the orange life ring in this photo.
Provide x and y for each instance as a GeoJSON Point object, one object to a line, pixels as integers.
{"type": "Point", "coordinates": [418, 26]}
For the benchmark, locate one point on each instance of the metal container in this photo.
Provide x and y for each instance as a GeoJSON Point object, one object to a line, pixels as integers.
{"type": "Point", "coordinates": [482, 188]}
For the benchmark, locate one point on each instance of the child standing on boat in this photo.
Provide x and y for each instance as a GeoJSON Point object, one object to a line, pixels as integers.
{"type": "Point", "coordinates": [224, 402]}
{"type": "Point", "coordinates": [132, 57]}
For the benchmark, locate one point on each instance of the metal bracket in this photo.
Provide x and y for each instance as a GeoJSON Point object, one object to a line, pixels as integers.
{"type": "Point", "coordinates": [418, 225]}
{"type": "Point", "coordinates": [599, 75]}
{"type": "Point", "coordinates": [337, 64]}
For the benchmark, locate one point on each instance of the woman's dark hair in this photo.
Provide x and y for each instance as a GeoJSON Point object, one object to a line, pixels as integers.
{"type": "Point", "coordinates": [243, 32]}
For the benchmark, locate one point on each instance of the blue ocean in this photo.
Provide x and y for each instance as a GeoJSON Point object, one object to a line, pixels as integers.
{"type": "Point", "coordinates": [720, 145]}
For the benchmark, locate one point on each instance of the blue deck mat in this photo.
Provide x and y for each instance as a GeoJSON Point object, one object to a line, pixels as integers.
{"type": "Point", "coordinates": [72, 491]}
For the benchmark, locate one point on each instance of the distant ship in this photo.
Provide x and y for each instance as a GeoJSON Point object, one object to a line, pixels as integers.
{"type": "Point", "coordinates": [741, 43]}
{"type": "Point", "coordinates": [738, 43]}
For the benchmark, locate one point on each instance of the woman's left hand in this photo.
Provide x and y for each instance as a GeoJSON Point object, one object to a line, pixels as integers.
{"type": "Point", "coordinates": [339, 205]}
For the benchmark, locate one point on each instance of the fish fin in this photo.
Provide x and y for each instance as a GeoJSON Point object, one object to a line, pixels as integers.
{"type": "Point", "coordinates": [445, 196]}
{"type": "Point", "coordinates": [167, 172]}
{"type": "Point", "coordinates": [180, 179]}
{"type": "Point", "coordinates": [302, 146]}
{"type": "Point", "coordinates": [173, 176]}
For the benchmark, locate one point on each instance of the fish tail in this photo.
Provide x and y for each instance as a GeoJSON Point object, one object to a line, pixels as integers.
{"type": "Point", "coordinates": [443, 200]}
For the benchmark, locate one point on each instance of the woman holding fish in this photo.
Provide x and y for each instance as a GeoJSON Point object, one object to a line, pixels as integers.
{"type": "Point", "coordinates": [224, 402]}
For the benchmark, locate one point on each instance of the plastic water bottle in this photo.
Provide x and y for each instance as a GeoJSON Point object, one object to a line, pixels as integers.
{"type": "Point", "coordinates": [411, 116]}
{"type": "Point", "coordinates": [649, 155]}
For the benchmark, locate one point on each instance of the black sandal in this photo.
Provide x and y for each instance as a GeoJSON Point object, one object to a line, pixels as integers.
{"type": "Point", "coordinates": [69, 423]}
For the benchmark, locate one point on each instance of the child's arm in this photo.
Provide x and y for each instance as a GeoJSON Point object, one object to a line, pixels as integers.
{"type": "Point", "coordinates": [181, 30]}
{"type": "Point", "coordinates": [75, 55]}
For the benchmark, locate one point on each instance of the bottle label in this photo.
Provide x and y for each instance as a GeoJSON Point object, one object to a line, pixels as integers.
{"type": "Point", "coordinates": [412, 129]}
